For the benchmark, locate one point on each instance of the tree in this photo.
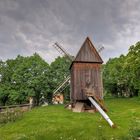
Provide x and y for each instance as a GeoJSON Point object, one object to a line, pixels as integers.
{"type": "Point", "coordinates": [23, 77]}
{"type": "Point", "coordinates": [59, 70]}
{"type": "Point", "coordinates": [132, 68]}
{"type": "Point", "coordinates": [31, 77]}
{"type": "Point", "coordinates": [121, 75]}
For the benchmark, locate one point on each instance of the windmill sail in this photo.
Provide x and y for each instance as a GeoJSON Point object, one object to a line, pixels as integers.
{"type": "Point", "coordinates": [61, 50]}
{"type": "Point", "coordinates": [62, 86]}
{"type": "Point", "coordinates": [66, 81]}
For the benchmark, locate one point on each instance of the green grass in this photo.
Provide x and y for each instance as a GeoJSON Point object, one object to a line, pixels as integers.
{"type": "Point", "coordinates": [57, 123]}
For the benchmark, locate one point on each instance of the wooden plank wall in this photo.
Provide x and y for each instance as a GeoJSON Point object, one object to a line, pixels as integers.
{"type": "Point", "coordinates": [88, 53]}
{"type": "Point", "coordinates": [81, 73]}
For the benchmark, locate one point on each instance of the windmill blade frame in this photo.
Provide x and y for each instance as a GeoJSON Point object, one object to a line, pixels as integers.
{"type": "Point", "coordinates": [61, 50]}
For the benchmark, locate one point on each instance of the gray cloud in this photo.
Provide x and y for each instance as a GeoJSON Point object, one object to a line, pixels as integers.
{"type": "Point", "coordinates": [28, 26]}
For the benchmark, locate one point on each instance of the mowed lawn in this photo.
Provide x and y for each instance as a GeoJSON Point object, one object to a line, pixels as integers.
{"type": "Point", "coordinates": [54, 122]}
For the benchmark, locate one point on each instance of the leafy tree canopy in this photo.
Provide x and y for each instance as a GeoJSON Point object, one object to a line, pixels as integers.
{"type": "Point", "coordinates": [121, 75]}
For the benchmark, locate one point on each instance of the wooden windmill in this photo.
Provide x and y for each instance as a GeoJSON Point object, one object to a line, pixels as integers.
{"type": "Point", "coordinates": [86, 81]}
{"type": "Point", "coordinates": [66, 81]}
{"type": "Point", "coordinates": [86, 72]}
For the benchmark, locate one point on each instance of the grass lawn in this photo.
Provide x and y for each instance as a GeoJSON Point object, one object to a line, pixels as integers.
{"type": "Point", "coordinates": [56, 123]}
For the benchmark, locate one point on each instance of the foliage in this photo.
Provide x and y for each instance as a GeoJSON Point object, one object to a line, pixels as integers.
{"type": "Point", "coordinates": [10, 115]}
{"type": "Point", "coordinates": [23, 77]}
{"type": "Point", "coordinates": [134, 130]}
{"type": "Point", "coordinates": [54, 122]}
{"type": "Point", "coordinates": [31, 77]}
{"type": "Point", "coordinates": [121, 75]}
{"type": "Point", "coordinates": [59, 70]}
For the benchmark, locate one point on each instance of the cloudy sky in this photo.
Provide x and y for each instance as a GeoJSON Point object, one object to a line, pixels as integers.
{"type": "Point", "coordinates": [28, 26]}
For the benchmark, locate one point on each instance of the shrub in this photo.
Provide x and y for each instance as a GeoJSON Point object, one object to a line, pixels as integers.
{"type": "Point", "coordinates": [10, 115]}
{"type": "Point", "coordinates": [134, 130]}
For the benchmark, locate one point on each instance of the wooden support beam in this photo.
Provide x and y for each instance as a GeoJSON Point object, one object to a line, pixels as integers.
{"type": "Point", "coordinates": [91, 93]}
{"type": "Point", "coordinates": [105, 116]}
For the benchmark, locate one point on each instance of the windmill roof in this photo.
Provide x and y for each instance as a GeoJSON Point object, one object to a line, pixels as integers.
{"type": "Point", "coordinates": [88, 53]}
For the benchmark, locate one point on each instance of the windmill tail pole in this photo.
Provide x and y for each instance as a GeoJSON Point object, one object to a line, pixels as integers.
{"type": "Point", "coordinates": [106, 117]}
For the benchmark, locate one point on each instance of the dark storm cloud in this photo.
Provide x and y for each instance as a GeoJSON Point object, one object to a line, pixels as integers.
{"type": "Point", "coordinates": [28, 26]}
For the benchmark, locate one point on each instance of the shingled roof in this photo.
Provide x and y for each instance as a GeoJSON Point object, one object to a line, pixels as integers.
{"type": "Point", "coordinates": [88, 53]}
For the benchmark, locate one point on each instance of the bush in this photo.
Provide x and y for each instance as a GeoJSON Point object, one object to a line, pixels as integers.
{"type": "Point", "coordinates": [134, 130]}
{"type": "Point", "coordinates": [10, 115]}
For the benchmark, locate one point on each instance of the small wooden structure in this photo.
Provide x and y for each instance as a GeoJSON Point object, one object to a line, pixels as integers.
{"type": "Point", "coordinates": [58, 99]}
{"type": "Point", "coordinates": [86, 73]}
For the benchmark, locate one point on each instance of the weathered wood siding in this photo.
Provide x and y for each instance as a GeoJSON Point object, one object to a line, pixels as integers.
{"type": "Point", "coordinates": [86, 68]}
{"type": "Point", "coordinates": [81, 73]}
{"type": "Point", "coordinates": [88, 53]}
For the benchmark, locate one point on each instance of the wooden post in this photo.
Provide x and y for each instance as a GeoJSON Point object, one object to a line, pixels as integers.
{"type": "Point", "coordinates": [31, 100]}
{"type": "Point", "coordinates": [106, 117]}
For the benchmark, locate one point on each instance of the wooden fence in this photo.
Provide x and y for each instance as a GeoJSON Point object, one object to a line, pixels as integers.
{"type": "Point", "coordinates": [22, 107]}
